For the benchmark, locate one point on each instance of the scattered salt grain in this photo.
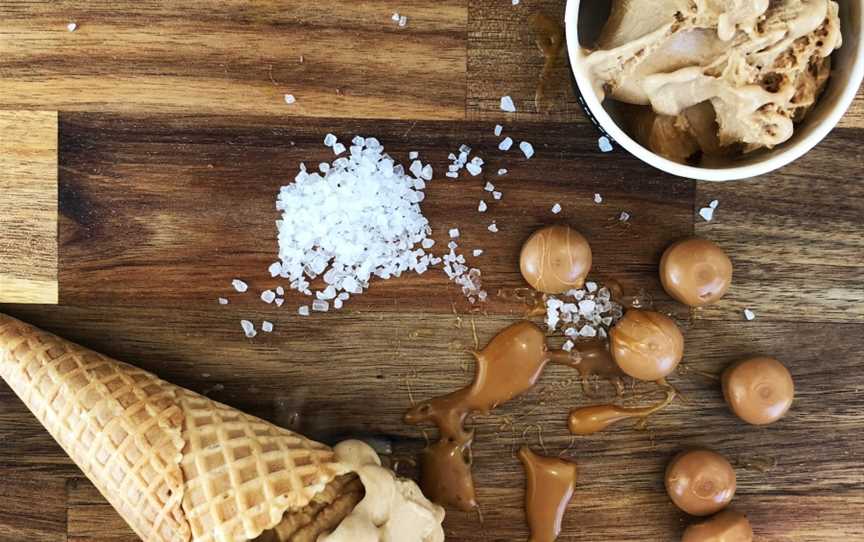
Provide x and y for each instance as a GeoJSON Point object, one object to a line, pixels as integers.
{"type": "Point", "coordinates": [303, 311]}
{"type": "Point", "coordinates": [275, 268]}
{"type": "Point", "coordinates": [493, 228]}
{"type": "Point", "coordinates": [337, 304]}
{"type": "Point", "coordinates": [515, 2]}
{"type": "Point", "coordinates": [567, 346]}
{"type": "Point", "coordinates": [452, 174]}
{"type": "Point", "coordinates": [267, 296]}
{"type": "Point", "coordinates": [498, 130]}
{"type": "Point", "coordinates": [223, 301]}
{"type": "Point", "coordinates": [502, 172]}
{"type": "Point", "coordinates": [481, 208]}
{"type": "Point", "coordinates": [290, 99]}
{"type": "Point", "coordinates": [395, 17]}
{"type": "Point", "coordinates": [280, 290]}
{"type": "Point", "coordinates": [489, 187]}
{"type": "Point", "coordinates": [248, 328]}
{"type": "Point", "coordinates": [239, 285]}
{"type": "Point", "coordinates": [556, 208]}
{"type": "Point", "coordinates": [320, 305]}
{"type": "Point", "coordinates": [477, 252]}
{"type": "Point", "coordinates": [473, 168]}
{"type": "Point", "coordinates": [496, 195]}
{"type": "Point", "coordinates": [587, 331]}
{"type": "Point", "coordinates": [507, 104]}
{"type": "Point", "coordinates": [707, 213]}
{"type": "Point", "coordinates": [279, 301]}
{"type": "Point", "coordinates": [598, 198]}
{"type": "Point", "coordinates": [624, 216]}
{"type": "Point", "coordinates": [454, 233]}
{"type": "Point", "coordinates": [591, 287]}
{"type": "Point", "coordinates": [427, 243]}
{"type": "Point", "coordinates": [604, 144]}
{"type": "Point", "coordinates": [527, 149]}
{"type": "Point", "coordinates": [714, 203]}
{"type": "Point", "coordinates": [427, 173]}
{"type": "Point", "coordinates": [266, 326]}
{"type": "Point", "coordinates": [403, 20]}
{"type": "Point", "coordinates": [329, 140]}
{"type": "Point", "coordinates": [338, 149]}
{"type": "Point", "coordinates": [505, 144]}
{"type": "Point", "coordinates": [72, 27]}
{"type": "Point", "coordinates": [749, 315]}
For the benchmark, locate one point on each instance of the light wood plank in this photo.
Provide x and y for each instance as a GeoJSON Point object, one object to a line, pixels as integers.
{"type": "Point", "coordinates": [236, 57]}
{"type": "Point", "coordinates": [28, 207]}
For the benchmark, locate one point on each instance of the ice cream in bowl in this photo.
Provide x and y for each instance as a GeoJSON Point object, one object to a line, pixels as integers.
{"type": "Point", "coordinates": [716, 89]}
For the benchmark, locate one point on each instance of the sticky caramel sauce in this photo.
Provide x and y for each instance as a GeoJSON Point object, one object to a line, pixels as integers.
{"type": "Point", "coordinates": [593, 419]}
{"type": "Point", "coordinates": [549, 36]}
{"type": "Point", "coordinates": [509, 365]}
{"type": "Point", "coordinates": [550, 485]}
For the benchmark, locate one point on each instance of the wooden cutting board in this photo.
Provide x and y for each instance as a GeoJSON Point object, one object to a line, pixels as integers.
{"type": "Point", "coordinates": [140, 158]}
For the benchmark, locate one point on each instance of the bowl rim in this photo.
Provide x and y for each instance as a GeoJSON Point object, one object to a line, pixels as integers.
{"type": "Point", "coordinates": [775, 161]}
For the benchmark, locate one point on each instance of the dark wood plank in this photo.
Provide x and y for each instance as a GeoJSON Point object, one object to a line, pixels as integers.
{"type": "Point", "coordinates": [393, 357]}
{"type": "Point", "coordinates": [346, 59]}
{"type": "Point", "coordinates": [33, 501]}
{"type": "Point", "coordinates": [169, 210]}
{"type": "Point", "coordinates": [90, 518]}
{"type": "Point", "coordinates": [795, 236]}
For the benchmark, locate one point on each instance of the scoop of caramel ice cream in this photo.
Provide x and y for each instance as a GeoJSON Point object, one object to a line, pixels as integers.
{"type": "Point", "coordinates": [759, 65]}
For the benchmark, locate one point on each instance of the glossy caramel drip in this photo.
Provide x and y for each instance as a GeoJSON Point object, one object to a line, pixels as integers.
{"type": "Point", "coordinates": [549, 35]}
{"type": "Point", "coordinates": [550, 485]}
{"type": "Point", "coordinates": [593, 419]}
{"type": "Point", "coordinates": [509, 365]}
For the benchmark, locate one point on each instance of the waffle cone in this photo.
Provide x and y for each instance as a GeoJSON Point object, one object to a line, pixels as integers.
{"type": "Point", "coordinates": [177, 466]}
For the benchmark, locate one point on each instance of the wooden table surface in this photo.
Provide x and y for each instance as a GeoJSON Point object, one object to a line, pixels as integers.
{"type": "Point", "coordinates": [172, 140]}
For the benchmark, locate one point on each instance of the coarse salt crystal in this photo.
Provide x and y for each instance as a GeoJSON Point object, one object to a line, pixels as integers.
{"type": "Point", "coordinates": [604, 144]}
{"type": "Point", "coordinates": [481, 208]}
{"type": "Point", "coordinates": [290, 99]}
{"type": "Point", "coordinates": [280, 290]}
{"type": "Point", "coordinates": [477, 252]}
{"type": "Point", "coordinates": [749, 314]}
{"type": "Point", "coordinates": [303, 311]}
{"type": "Point", "coordinates": [527, 149]}
{"type": "Point", "coordinates": [489, 187]}
{"type": "Point", "coordinates": [338, 149]}
{"type": "Point", "coordinates": [493, 228]}
{"type": "Point", "coordinates": [427, 172]}
{"type": "Point", "coordinates": [591, 286]}
{"type": "Point", "coordinates": [496, 195]}
{"type": "Point", "coordinates": [473, 169]}
{"type": "Point", "coordinates": [556, 208]}
{"type": "Point", "coordinates": [248, 328]}
{"type": "Point", "coordinates": [454, 233]}
{"type": "Point", "coordinates": [502, 171]}
{"type": "Point", "coordinates": [413, 155]}
{"type": "Point", "coordinates": [707, 213]}
{"type": "Point", "coordinates": [567, 346]}
{"type": "Point", "coordinates": [320, 305]}
{"type": "Point", "coordinates": [274, 269]}
{"type": "Point", "coordinates": [266, 326]}
{"type": "Point", "coordinates": [395, 17]}
{"type": "Point", "coordinates": [329, 140]}
{"type": "Point", "coordinates": [72, 27]}
{"type": "Point", "coordinates": [223, 301]}
{"type": "Point", "coordinates": [505, 144]}
{"type": "Point", "coordinates": [498, 130]}
{"type": "Point", "coordinates": [507, 104]}
{"type": "Point", "coordinates": [267, 296]}
{"type": "Point", "coordinates": [279, 301]}
{"type": "Point", "coordinates": [403, 20]}
{"type": "Point", "coordinates": [239, 285]}
{"type": "Point", "coordinates": [624, 216]}
{"type": "Point", "coordinates": [427, 243]}
{"type": "Point", "coordinates": [337, 304]}
{"type": "Point", "coordinates": [452, 174]}
{"type": "Point", "coordinates": [587, 331]}
{"type": "Point", "coordinates": [714, 203]}
{"type": "Point", "coordinates": [598, 198]}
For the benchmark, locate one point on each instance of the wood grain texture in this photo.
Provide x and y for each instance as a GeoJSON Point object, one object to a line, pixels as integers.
{"type": "Point", "coordinates": [149, 203]}
{"type": "Point", "coordinates": [28, 207]}
{"type": "Point", "coordinates": [338, 58]}
{"type": "Point", "coordinates": [796, 236]}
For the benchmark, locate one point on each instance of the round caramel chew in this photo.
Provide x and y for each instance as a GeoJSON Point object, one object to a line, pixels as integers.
{"type": "Point", "coordinates": [727, 526]}
{"type": "Point", "coordinates": [758, 390]}
{"type": "Point", "coordinates": [695, 271]}
{"type": "Point", "coordinates": [646, 345]}
{"type": "Point", "coordinates": [555, 259]}
{"type": "Point", "coordinates": [700, 482]}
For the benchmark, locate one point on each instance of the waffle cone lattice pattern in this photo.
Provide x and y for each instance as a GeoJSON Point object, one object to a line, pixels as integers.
{"type": "Point", "coordinates": [242, 473]}
{"type": "Point", "coordinates": [175, 465]}
{"type": "Point", "coordinates": [121, 425]}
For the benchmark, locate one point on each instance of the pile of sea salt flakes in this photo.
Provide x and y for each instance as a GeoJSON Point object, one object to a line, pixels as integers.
{"type": "Point", "coordinates": [582, 313]}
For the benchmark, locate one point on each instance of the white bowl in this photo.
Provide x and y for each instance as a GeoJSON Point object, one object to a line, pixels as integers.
{"type": "Point", "coordinates": [846, 74]}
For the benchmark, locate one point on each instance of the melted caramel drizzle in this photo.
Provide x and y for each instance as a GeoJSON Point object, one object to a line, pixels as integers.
{"type": "Point", "coordinates": [551, 482]}
{"type": "Point", "coordinates": [592, 358]}
{"type": "Point", "coordinates": [592, 419]}
{"type": "Point", "coordinates": [509, 365]}
{"type": "Point", "coordinates": [549, 35]}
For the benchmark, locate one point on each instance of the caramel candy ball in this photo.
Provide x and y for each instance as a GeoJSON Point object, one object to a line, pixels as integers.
{"type": "Point", "coordinates": [727, 526]}
{"type": "Point", "coordinates": [555, 259]}
{"type": "Point", "coordinates": [700, 482]}
{"type": "Point", "coordinates": [646, 345]}
{"type": "Point", "coordinates": [758, 390]}
{"type": "Point", "coordinates": [695, 271]}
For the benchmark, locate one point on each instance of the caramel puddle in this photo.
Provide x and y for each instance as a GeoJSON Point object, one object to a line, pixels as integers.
{"type": "Point", "coordinates": [550, 485]}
